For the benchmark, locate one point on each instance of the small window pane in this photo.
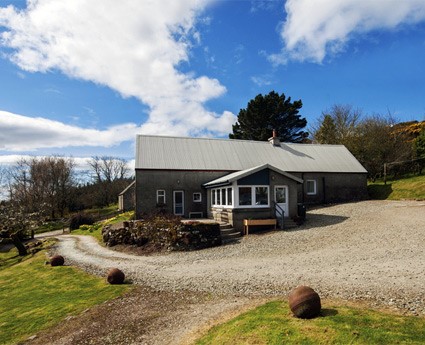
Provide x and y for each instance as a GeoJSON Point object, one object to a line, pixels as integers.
{"type": "Point", "coordinates": [245, 196]}
{"type": "Point", "coordinates": [280, 195]}
{"type": "Point", "coordinates": [218, 197]}
{"type": "Point", "coordinates": [229, 196]}
{"type": "Point", "coordinates": [213, 197]}
{"type": "Point", "coordinates": [223, 196]}
{"type": "Point", "coordinates": [197, 197]}
{"type": "Point", "coordinates": [160, 197]}
{"type": "Point", "coordinates": [311, 187]}
{"type": "Point", "coordinates": [261, 196]}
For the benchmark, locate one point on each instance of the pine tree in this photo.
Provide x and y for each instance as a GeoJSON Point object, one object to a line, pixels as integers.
{"type": "Point", "coordinates": [267, 113]}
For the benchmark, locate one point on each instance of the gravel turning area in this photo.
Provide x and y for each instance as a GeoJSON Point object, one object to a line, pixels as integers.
{"type": "Point", "coordinates": [370, 251]}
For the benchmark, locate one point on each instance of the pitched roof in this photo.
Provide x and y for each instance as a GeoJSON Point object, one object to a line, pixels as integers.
{"type": "Point", "coordinates": [227, 179]}
{"type": "Point", "coordinates": [174, 153]}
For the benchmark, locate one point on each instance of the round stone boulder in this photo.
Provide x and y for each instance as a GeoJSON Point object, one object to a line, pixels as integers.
{"type": "Point", "coordinates": [115, 276]}
{"type": "Point", "coordinates": [304, 302]}
{"type": "Point", "coordinates": [57, 260]}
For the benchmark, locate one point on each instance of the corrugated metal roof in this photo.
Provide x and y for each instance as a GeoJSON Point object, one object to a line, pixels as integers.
{"type": "Point", "coordinates": [174, 153]}
{"type": "Point", "coordinates": [239, 174]}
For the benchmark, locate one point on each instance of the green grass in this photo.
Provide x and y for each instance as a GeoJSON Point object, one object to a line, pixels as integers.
{"type": "Point", "coordinates": [51, 226]}
{"type": "Point", "coordinates": [10, 258]}
{"type": "Point", "coordinates": [95, 230]}
{"type": "Point", "coordinates": [35, 296]}
{"type": "Point", "coordinates": [273, 323]}
{"type": "Point", "coordinates": [411, 188]}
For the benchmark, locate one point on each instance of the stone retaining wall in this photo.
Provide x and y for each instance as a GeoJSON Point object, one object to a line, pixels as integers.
{"type": "Point", "coordinates": [164, 234]}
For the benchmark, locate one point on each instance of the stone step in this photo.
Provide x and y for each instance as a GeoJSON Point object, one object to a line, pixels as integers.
{"type": "Point", "coordinates": [224, 226]}
{"type": "Point", "coordinates": [227, 231]}
{"type": "Point", "coordinates": [230, 234]}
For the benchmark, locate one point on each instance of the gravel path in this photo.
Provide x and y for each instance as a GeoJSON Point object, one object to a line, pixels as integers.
{"type": "Point", "coordinates": [371, 251]}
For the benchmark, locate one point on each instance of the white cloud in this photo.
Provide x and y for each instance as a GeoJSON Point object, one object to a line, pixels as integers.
{"type": "Point", "coordinates": [314, 29]}
{"type": "Point", "coordinates": [133, 47]}
{"type": "Point", "coordinates": [262, 80]}
{"type": "Point", "coordinates": [22, 133]}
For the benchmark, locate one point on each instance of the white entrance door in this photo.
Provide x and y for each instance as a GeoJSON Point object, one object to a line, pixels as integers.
{"type": "Point", "coordinates": [178, 201]}
{"type": "Point", "coordinates": [281, 198]}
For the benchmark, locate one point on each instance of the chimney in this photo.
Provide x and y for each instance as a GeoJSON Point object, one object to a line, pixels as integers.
{"type": "Point", "coordinates": [274, 140]}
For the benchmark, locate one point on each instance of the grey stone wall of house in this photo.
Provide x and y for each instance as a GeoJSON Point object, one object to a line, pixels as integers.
{"type": "Point", "coordinates": [333, 187]}
{"type": "Point", "coordinates": [149, 181]}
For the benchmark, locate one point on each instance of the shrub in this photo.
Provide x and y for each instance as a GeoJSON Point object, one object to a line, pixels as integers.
{"type": "Point", "coordinates": [80, 219]}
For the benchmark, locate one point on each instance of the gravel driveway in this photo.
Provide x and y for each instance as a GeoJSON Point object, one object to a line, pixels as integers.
{"type": "Point", "coordinates": [371, 251]}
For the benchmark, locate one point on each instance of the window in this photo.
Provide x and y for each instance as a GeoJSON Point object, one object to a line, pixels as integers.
{"type": "Point", "coordinates": [222, 196]}
{"type": "Point", "coordinates": [245, 196]}
{"type": "Point", "coordinates": [311, 187]}
{"type": "Point", "coordinates": [261, 195]}
{"type": "Point", "coordinates": [197, 197]}
{"type": "Point", "coordinates": [229, 196]}
{"type": "Point", "coordinates": [256, 196]}
{"type": "Point", "coordinates": [160, 197]}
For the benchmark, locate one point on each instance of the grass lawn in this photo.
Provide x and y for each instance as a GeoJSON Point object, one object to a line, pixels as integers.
{"type": "Point", "coordinates": [95, 230]}
{"type": "Point", "coordinates": [412, 188]}
{"type": "Point", "coordinates": [35, 296]}
{"type": "Point", "coordinates": [273, 323]}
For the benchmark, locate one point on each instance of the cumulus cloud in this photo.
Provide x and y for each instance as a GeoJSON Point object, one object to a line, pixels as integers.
{"type": "Point", "coordinates": [314, 29]}
{"type": "Point", "coordinates": [22, 133]}
{"type": "Point", "coordinates": [133, 47]}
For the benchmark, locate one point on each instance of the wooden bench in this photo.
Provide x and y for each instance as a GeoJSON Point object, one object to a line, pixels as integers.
{"type": "Point", "coordinates": [248, 222]}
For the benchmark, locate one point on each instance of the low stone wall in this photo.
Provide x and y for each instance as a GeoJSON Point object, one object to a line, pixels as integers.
{"type": "Point", "coordinates": [163, 234]}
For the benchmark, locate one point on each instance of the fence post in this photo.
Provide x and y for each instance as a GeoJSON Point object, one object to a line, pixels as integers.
{"type": "Point", "coordinates": [385, 173]}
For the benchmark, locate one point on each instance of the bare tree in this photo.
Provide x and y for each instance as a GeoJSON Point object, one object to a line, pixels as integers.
{"type": "Point", "coordinates": [108, 169]}
{"type": "Point", "coordinates": [39, 181]}
{"type": "Point", "coordinates": [110, 174]}
{"type": "Point", "coordinates": [344, 120]}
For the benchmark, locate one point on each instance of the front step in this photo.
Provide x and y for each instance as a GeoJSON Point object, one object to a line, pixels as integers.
{"type": "Point", "coordinates": [229, 234]}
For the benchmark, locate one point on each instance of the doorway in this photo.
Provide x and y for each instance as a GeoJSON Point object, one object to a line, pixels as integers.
{"type": "Point", "coordinates": [281, 199]}
{"type": "Point", "coordinates": [178, 202]}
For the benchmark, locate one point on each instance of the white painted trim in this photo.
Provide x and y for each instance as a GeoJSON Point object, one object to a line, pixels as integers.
{"type": "Point", "coordinates": [157, 196]}
{"type": "Point", "coordinates": [252, 197]}
{"type": "Point", "coordinates": [200, 197]}
{"type": "Point", "coordinates": [286, 208]}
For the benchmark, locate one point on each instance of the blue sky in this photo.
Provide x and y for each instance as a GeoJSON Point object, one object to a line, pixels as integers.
{"type": "Point", "coordinates": [82, 78]}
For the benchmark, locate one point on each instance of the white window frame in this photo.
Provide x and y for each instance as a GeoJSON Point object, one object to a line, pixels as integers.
{"type": "Point", "coordinates": [158, 195]}
{"type": "Point", "coordinates": [197, 199]}
{"type": "Point", "coordinates": [217, 195]}
{"type": "Point", "coordinates": [314, 192]}
{"type": "Point", "coordinates": [253, 205]}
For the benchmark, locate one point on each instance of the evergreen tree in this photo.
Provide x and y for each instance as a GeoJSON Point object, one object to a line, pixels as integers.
{"type": "Point", "coordinates": [267, 113]}
{"type": "Point", "coordinates": [419, 145]}
{"type": "Point", "coordinates": [326, 134]}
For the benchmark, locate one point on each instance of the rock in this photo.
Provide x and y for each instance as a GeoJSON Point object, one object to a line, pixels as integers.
{"type": "Point", "coordinates": [115, 276]}
{"type": "Point", "coordinates": [304, 302]}
{"type": "Point", "coordinates": [57, 260]}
